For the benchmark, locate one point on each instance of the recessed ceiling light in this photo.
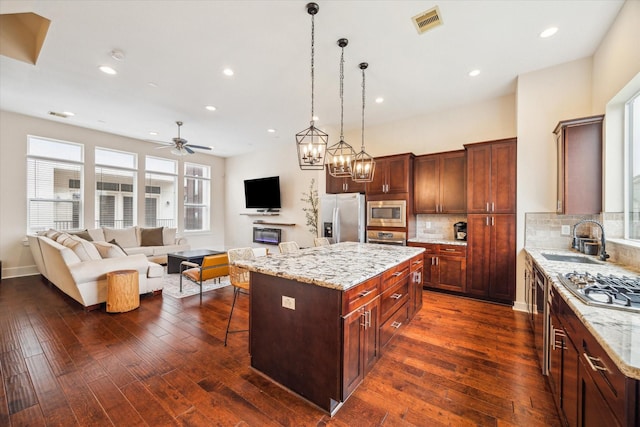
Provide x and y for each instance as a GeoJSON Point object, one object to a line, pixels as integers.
{"type": "Point", "coordinates": [271, 130]}
{"type": "Point", "coordinates": [117, 54]}
{"type": "Point", "coordinates": [379, 100]}
{"type": "Point", "coordinates": [228, 72]}
{"type": "Point", "coordinates": [68, 113]}
{"type": "Point", "coordinates": [474, 73]}
{"type": "Point", "coordinates": [210, 108]}
{"type": "Point", "coordinates": [153, 133]}
{"type": "Point", "coordinates": [548, 32]}
{"type": "Point", "coordinates": [107, 70]}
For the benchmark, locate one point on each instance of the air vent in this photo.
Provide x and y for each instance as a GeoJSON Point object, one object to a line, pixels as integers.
{"type": "Point", "coordinates": [63, 115]}
{"type": "Point", "coordinates": [427, 20]}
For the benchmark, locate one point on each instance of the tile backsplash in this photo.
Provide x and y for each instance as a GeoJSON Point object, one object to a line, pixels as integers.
{"type": "Point", "coordinates": [438, 226]}
{"type": "Point", "coordinates": [543, 231]}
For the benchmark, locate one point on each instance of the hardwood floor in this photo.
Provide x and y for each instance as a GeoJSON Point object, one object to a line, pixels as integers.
{"type": "Point", "coordinates": [459, 362]}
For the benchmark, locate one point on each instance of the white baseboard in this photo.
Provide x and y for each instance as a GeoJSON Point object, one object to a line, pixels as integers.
{"type": "Point", "coordinates": [520, 306]}
{"type": "Point", "coordinates": [30, 270]}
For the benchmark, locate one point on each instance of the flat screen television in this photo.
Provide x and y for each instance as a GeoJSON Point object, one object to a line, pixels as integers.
{"type": "Point", "coordinates": [262, 193]}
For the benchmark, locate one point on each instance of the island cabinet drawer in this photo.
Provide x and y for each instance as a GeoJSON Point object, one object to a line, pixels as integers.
{"type": "Point", "coordinates": [394, 275]}
{"type": "Point", "coordinates": [359, 295]}
{"type": "Point", "coordinates": [455, 250]}
{"type": "Point", "coordinates": [416, 263]}
{"type": "Point", "coordinates": [393, 298]}
{"type": "Point", "coordinates": [389, 328]}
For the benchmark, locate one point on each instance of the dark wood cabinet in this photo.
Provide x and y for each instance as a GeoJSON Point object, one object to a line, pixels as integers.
{"type": "Point", "coordinates": [579, 165]}
{"type": "Point", "coordinates": [393, 174]}
{"type": "Point", "coordinates": [342, 185]}
{"type": "Point", "coordinates": [491, 256]}
{"type": "Point", "coordinates": [361, 344]}
{"type": "Point", "coordinates": [439, 183]}
{"type": "Point", "coordinates": [491, 177]}
{"type": "Point", "coordinates": [444, 266]}
{"type": "Point", "coordinates": [415, 285]}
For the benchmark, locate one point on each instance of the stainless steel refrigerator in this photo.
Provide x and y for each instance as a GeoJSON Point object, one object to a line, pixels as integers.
{"type": "Point", "coordinates": [342, 217]}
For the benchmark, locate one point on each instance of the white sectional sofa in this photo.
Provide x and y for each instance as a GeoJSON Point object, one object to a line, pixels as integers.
{"type": "Point", "coordinates": [79, 267]}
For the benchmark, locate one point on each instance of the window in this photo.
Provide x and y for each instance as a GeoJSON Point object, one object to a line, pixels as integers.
{"type": "Point", "coordinates": [54, 184]}
{"type": "Point", "coordinates": [115, 188]}
{"type": "Point", "coordinates": [160, 192]}
{"type": "Point", "coordinates": [632, 118]}
{"type": "Point", "coordinates": [196, 197]}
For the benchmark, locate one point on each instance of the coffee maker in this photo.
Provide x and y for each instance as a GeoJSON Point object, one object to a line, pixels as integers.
{"type": "Point", "coordinates": [460, 231]}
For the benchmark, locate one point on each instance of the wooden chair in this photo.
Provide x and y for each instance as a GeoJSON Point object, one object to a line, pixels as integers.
{"type": "Point", "coordinates": [288, 247]}
{"type": "Point", "coordinates": [239, 278]}
{"type": "Point", "coordinates": [213, 266]}
{"type": "Point", "coordinates": [321, 241]}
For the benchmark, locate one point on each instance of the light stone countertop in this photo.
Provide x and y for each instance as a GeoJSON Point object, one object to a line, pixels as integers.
{"type": "Point", "coordinates": [438, 241]}
{"type": "Point", "coordinates": [617, 331]}
{"type": "Point", "coordinates": [340, 266]}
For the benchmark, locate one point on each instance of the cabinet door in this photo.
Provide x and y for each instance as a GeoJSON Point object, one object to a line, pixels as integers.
{"type": "Point", "coordinates": [503, 257]}
{"type": "Point", "coordinates": [593, 410]}
{"type": "Point", "coordinates": [371, 349]}
{"type": "Point", "coordinates": [415, 301]}
{"type": "Point", "coordinates": [478, 178]}
{"type": "Point", "coordinates": [398, 174]}
{"type": "Point", "coordinates": [452, 273]}
{"type": "Point", "coordinates": [333, 185]}
{"type": "Point", "coordinates": [379, 183]}
{"type": "Point", "coordinates": [478, 253]}
{"type": "Point", "coordinates": [503, 177]}
{"type": "Point", "coordinates": [426, 184]}
{"type": "Point", "coordinates": [569, 383]}
{"type": "Point", "coordinates": [351, 186]}
{"type": "Point", "coordinates": [354, 343]}
{"type": "Point", "coordinates": [453, 183]}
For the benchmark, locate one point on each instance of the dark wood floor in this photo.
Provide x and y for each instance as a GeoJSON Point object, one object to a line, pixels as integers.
{"type": "Point", "coordinates": [460, 362]}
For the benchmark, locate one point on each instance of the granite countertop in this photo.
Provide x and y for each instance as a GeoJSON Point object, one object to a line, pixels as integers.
{"type": "Point", "coordinates": [438, 241]}
{"type": "Point", "coordinates": [340, 266]}
{"type": "Point", "coordinates": [617, 331]}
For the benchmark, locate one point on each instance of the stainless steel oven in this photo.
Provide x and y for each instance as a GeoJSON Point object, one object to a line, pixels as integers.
{"type": "Point", "coordinates": [397, 238]}
{"type": "Point", "coordinates": [387, 213]}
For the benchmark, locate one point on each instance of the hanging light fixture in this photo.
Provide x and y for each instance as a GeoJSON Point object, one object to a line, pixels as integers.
{"type": "Point", "coordinates": [311, 142]}
{"type": "Point", "coordinates": [340, 155]}
{"type": "Point", "coordinates": [363, 164]}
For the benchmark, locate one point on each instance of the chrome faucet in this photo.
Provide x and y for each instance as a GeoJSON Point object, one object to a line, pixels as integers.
{"type": "Point", "coordinates": [603, 253]}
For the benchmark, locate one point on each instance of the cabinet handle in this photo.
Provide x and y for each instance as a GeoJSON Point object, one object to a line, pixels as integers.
{"type": "Point", "coordinates": [558, 344]}
{"type": "Point", "coordinates": [397, 273]}
{"type": "Point", "coordinates": [366, 319]}
{"type": "Point", "coordinates": [396, 325]}
{"type": "Point", "coordinates": [417, 277]}
{"type": "Point", "coordinates": [396, 296]}
{"type": "Point", "coordinates": [487, 207]}
{"type": "Point", "coordinates": [493, 207]}
{"type": "Point", "coordinates": [595, 363]}
{"type": "Point", "coordinates": [437, 260]}
{"type": "Point", "coordinates": [493, 221]}
{"type": "Point", "coordinates": [365, 293]}
{"type": "Point", "coordinates": [346, 186]}
{"type": "Point", "coordinates": [449, 250]}
{"type": "Point", "coordinates": [486, 221]}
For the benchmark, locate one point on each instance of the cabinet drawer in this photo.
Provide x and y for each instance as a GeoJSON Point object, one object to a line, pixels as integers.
{"type": "Point", "coordinates": [360, 295]}
{"type": "Point", "coordinates": [393, 298]}
{"type": "Point", "coordinates": [394, 275]}
{"type": "Point", "coordinates": [389, 328]}
{"type": "Point", "coordinates": [416, 263]}
{"type": "Point", "coordinates": [455, 250]}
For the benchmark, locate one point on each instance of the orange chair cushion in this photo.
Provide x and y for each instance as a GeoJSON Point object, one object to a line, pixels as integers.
{"type": "Point", "coordinates": [209, 269]}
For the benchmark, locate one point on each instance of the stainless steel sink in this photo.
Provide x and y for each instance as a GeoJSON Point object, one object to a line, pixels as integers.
{"type": "Point", "coordinates": [569, 258]}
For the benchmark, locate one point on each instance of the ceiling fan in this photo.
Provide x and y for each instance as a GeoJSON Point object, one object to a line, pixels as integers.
{"type": "Point", "coordinates": [180, 146]}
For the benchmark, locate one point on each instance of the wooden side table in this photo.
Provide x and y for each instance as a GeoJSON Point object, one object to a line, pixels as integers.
{"type": "Point", "coordinates": [123, 292]}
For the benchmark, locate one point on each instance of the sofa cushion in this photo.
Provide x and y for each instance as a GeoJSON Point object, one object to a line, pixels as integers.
{"type": "Point", "coordinates": [169, 236]}
{"type": "Point", "coordinates": [155, 270]}
{"type": "Point", "coordinates": [62, 237]}
{"type": "Point", "coordinates": [146, 250]}
{"type": "Point", "coordinates": [151, 236]}
{"type": "Point", "coordinates": [85, 250]}
{"type": "Point", "coordinates": [109, 250]}
{"type": "Point", "coordinates": [97, 234]}
{"type": "Point", "coordinates": [83, 234]}
{"type": "Point", "coordinates": [52, 234]}
{"type": "Point", "coordinates": [126, 237]}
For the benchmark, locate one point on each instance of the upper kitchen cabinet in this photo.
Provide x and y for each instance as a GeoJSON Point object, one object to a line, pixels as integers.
{"type": "Point", "coordinates": [579, 145]}
{"type": "Point", "coordinates": [439, 183]}
{"type": "Point", "coordinates": [393, 174]}
{"type": "Point", "coordinates": [343, 185]}
{"type": "Point", "coordinates": [491, 176]}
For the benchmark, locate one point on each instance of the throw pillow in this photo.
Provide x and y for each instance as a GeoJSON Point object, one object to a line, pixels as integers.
{"type": "Point", "coordinates": [126, 237]}
{"type": "Point", "coordinates": [83, 248]}
{"type": "Point", "coordinates": [109, 250]}
{"type": "Point", "coordinates": [97, 234]}
{"type": "Point", "coordinates": [113, 242]}
{"type": "Point", "coordinates": [151, 236]}
{"type": "Point", "coordinates": [62, 237]}
{"type": "Point", "coordinates": [83, 234]}
{"type": "Point", "coordinates": [169, 236]}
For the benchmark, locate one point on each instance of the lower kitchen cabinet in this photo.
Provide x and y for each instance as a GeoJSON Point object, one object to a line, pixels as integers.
{"type": "Point", "coordinates": [491, 256]}
{"type": "Point", "coordinates": [361, 344]}
{"type": "Point", "coordinates": [444, 266]}
{"type": "Point", "coordinates": [415, 285]}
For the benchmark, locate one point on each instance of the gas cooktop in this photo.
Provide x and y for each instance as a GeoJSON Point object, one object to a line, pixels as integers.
{"type": "Point", "coordinates": [619, 292]}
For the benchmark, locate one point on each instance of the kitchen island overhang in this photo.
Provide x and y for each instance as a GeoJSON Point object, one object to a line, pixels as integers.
{"type": "Point", "coordinates": [319, 318]}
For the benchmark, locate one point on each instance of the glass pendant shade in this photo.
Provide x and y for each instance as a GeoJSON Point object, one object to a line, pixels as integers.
{"type": "Point", "coordinates": [179, 151]}
{"type": "Point", "coordinates": [340, 155]}
{"type": "Point", "coordinates": [312, 142]}
{"type": "Point", "coordinates": [364, 165]}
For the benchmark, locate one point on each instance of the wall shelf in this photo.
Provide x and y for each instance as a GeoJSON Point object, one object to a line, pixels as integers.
{"type": "Point", "coordinates": [283, 224]}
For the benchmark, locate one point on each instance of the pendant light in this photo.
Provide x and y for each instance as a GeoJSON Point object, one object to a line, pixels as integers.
{"type": "Point", "coordinates": [363, 164]}
{"type": "Point", "coordinates": [311, 142]}
{"type": "Point", "coordinates": [340, 155]}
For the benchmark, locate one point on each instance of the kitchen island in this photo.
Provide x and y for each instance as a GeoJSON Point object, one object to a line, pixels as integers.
{"type": "Point", "coordinates": [320, 318]}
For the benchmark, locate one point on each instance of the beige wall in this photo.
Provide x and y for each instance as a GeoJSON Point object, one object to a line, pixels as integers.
{"type": "Point", "coordinates": [16, 258]}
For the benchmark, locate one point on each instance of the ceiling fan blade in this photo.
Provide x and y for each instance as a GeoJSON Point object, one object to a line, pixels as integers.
{"type": "Point", "coordinates": [165, 146]}
{"type": "Point", "coordinates": [189, 150]}
{"type": "Point", "coordinates": [201, 147]}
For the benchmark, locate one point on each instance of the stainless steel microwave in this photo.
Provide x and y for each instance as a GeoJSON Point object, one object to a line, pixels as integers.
{"type": "Point", "coordinates": [387, 213]}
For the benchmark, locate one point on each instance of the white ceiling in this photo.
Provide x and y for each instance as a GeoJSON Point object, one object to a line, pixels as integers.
{"type": "Point", "coordinates": [183, 46]}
